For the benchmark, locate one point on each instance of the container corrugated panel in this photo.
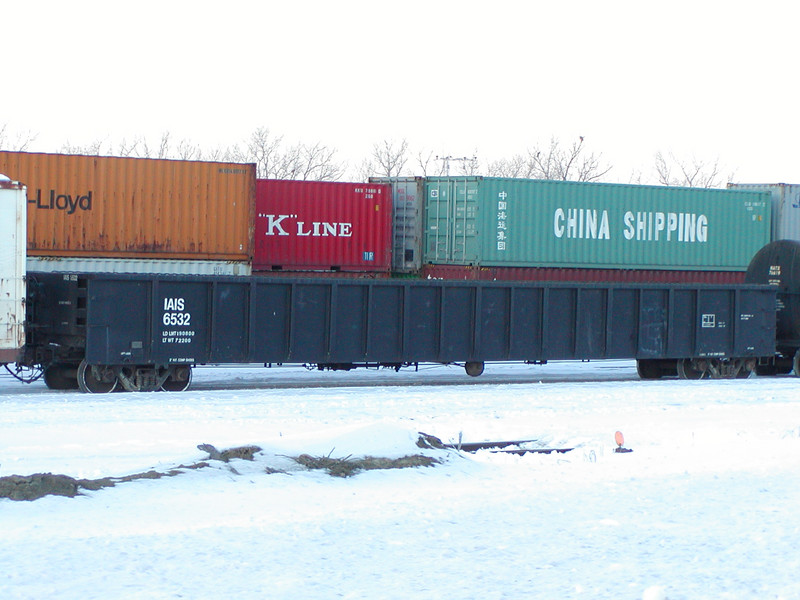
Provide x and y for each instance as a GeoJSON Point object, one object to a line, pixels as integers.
{"type": "Point", "coordinates": [12, 269]}
{"type": "Point", "coordinates": [534, 223]}
{"type": "Point", "coordinates": [408, 196]}
{"type": "Point", "coordinates": [50, 264]}
{"type": "Point", "coordinates": [468, 273]}
{"type": "Point", "coordinates": [113, 207]}
{"type": "Point", "coordinates": [322, 226]}
{"type": "Point", "coordinates": [785, 207]}
{"type": "Point", "coordinates": [328, 274]}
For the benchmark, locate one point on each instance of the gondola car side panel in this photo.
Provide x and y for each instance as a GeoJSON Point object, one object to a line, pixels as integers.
{"type": "Point", "coordinates": [182, 320]}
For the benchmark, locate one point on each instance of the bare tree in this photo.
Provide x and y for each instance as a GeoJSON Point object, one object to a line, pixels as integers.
{"type": "Point", "coordinates": [94, 148]}
{"type": "Point", "coordinates": [515, 167]}
{"type": "Point", "coordinates": [318, 163]}
{"type": "Point", "coordinates": [234, 153]}
{"type": "Point", "coordinates": [553, 162]}
{"type": "Point", "coordinates": [188, 150]}
{"type": "Point", "coordinates": [388, 159]}
{"type": "Point", "coordinates": [315, 162]}
{"type": "Point", "coordinates": [426, 164]}
{"type": "Point", "coordinates": [286, 163]}
{"type": "Point", "coordinates": [689, 173]}
{"type": "Point", "coordinates": [135, 148]}
{"type": "Point", "coordinates": [20, 143]}
{"type": "Point", "coordinates": [220, 154]}
{"type": "Point", "coordinates": [163, 146]}
{"type": "Point", "coordinates": [262, 149]}
{"type": "Point", "coordinates": [570, 164]}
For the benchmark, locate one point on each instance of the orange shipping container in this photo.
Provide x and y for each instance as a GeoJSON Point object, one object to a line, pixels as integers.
{"type": "Point", "coordinates": [101, 206]}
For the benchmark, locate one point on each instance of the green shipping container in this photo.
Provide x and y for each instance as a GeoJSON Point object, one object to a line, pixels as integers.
{"type": "Point", "coordinates": [532, 223]}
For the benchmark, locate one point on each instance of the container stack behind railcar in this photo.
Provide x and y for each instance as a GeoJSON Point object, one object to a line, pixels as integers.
{"type": "Point", "coordinates": [12, 269]}
{"type": "Point", "coordinates": [100, 213]}
{"type": "Point", "coordinates": [408, 197]}
{"type": "Point", "coordinates": [785, 207]}
{"type": "Point", "coordinates": [511, 223]}
{"type": "Point", "coordinates": [468, 228]}
{"type": "Point", "coordinates": [324, 227]}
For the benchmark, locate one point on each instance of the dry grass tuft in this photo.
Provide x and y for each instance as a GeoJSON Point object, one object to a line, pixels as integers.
{"type": "Point", "coordinates": [347, 466]}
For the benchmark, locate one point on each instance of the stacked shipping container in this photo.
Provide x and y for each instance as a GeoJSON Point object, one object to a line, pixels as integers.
{"type": "Point", "coordinates": [12, 269]}
{"type": "Point", "coordinates": [529, 223]}
{"type": "Point", "coordinates": [322, 226]}
{"type": "Point", "coordinates": [785, 207]}
{"type": "Point", "coordinates": [100, 213]}
{"type": "Point", "coordinates": [475, 228]}
{"type": "Point", "coordinates": [90, 213]}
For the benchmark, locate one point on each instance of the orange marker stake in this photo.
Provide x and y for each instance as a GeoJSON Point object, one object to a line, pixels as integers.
{"type": "Point", "coordinates": [620, 439]}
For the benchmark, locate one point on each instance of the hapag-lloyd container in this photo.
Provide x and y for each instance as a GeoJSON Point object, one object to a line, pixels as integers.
{"type": "Point", "coordinates": [322, 226]}
{"type": "Point", "coordinates": [12, 269]}
{"type": "Point", "coordinates": [785, 207]}
{"type": "Point", "coordinates": [135, 208]}
{"type": "Point", "coordinates": [534, 223]}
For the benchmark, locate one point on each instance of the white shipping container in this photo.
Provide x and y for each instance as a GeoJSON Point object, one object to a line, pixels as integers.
{"type": "Point", "coordinates": [57, 264]}
{"type": "Point", "coordinates": [785, 207]}
{"type": "Point", "coordinates": [13, 212]}
{"type": "Point", "coordinates": [408, 198]}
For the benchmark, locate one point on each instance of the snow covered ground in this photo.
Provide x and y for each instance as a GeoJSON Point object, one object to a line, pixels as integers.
{"type": "Point", "coordinates": [706, 505]}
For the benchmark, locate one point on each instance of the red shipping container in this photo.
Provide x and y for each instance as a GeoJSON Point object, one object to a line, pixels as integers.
{"type": "Point", "coordinates": [322, 226]}
{"type": "Point", "coordinates": [580, 275]}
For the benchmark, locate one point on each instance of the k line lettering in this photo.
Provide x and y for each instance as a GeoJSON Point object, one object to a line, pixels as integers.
{"type": "Point", "coordinates": [276, 226]}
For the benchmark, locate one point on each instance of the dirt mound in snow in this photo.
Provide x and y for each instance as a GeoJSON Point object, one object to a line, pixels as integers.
{"type": "Point", "coordinates": [33, 487]}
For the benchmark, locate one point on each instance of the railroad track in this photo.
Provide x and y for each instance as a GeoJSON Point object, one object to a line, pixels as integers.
{"type": "Point", "coordinates": [289, 378]}
{"type": "Point", "coordinates": [506, 447]}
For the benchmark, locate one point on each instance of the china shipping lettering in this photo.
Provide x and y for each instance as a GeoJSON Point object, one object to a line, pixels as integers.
{"type": "Point", "coordinates": [592, 224]}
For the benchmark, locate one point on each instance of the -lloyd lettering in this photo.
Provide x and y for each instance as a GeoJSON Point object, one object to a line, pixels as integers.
{"type": "Point", "coordinates": [65, 202]}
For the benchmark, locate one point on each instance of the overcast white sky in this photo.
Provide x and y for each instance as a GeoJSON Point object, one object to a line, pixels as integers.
{"type": "Point", "coordinates": [710, 79]}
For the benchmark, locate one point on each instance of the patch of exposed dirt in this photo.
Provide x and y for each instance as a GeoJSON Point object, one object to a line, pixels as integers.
{"type": "Point", "coordinates": [346, 467]}
{"type": "Point", "coordinates": [38, 485]}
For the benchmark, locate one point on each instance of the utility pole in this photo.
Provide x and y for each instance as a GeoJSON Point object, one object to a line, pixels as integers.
{"type": "Point", "coordinates": [446, 160]}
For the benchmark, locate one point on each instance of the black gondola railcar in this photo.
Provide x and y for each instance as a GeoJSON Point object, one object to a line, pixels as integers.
{"type": "Point", "coordinates": [145, 332]}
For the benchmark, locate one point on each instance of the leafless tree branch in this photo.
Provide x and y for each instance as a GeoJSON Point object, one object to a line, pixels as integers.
{"type": "Point", "coordinates": [20, 143]}
{"type": "Point", "coordinates": [691, 173]}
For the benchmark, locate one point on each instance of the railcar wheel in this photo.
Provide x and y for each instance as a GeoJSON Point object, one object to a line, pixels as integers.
{"type": "Point", "coordinates": [474, 369]}
{"type": "Point", "coordinates": [747, 368]}
{"type": "Point", "coordinates": [96, 379]}
{"type": "Point", "coordinates": [691, 369]}
{"type": "Point", "coordinates": [648, 369]}
{"type": "Point", "coordinates": [178, 381]}
{"type": "Point", "coordinates": [59, 376]}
